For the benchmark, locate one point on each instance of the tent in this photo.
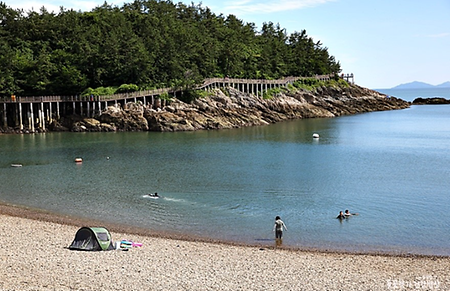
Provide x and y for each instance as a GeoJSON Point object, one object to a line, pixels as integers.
{"type": "Point", "coordinates": [92, 239]}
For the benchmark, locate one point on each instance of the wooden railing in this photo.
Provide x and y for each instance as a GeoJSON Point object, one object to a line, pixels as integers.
{"type": "Point", "coordinates": [78, 98]}
{"type": "Point", "coordinates": [283, 81]}
{"type": "Point", "coordinates": [155, 92]}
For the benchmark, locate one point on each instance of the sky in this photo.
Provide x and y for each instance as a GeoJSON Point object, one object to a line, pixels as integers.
{"type": "Point", "coordinates": [384, 43]}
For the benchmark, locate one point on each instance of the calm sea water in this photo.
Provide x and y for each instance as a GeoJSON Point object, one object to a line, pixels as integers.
{"type": "Point", "coordinates": [411, 94]}
{"type": "Point", "coordinates": [392, 168]}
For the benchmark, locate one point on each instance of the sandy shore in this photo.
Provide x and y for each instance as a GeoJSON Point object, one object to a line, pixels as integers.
{"type": "Point", "coordinates": [34, 256]}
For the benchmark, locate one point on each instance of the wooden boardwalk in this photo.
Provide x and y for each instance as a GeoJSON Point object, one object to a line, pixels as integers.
{"type": "Point", "coordinates": [31, 112]}
{"type": "Point", "coordinates": [259, 85]}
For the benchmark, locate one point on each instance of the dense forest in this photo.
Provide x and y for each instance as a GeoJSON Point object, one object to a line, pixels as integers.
{"type": "Point", "coordinates": [145, 44]}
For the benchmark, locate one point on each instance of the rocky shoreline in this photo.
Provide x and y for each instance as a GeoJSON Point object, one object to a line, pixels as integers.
{"type": "Point", "coordinates": [229, 108]}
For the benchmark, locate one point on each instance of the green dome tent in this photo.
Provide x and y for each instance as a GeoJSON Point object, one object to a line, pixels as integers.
{"type": "Point", "coordinates": [92, 239]}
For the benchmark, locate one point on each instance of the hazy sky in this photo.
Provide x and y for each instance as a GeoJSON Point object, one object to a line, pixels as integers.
{"type": "Point", "coordinates": [383, 43]}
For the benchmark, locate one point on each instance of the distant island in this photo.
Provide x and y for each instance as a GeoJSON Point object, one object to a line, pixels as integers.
{"type": "Point", "coordinates": [421, 85]}
{"type": "Point", "coordinates": [430, 101]}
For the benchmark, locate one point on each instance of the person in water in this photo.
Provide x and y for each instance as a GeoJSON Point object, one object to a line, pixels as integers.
{"type": "Point", "coordinates": [278, 228]}
{"type": "Point", "coordinates": [341, 215]}
{"type": "Point", "coordinates": [348, 214]}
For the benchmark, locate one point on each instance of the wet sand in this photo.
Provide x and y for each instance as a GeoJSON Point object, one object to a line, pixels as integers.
{"type": "Point", "coordinates": [34, 256]}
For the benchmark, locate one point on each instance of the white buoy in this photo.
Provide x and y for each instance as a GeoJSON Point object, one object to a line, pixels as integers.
{"type": "Point", "coordinates": [315, 135]}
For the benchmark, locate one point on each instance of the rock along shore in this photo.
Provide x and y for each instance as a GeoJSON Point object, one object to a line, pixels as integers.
{"type": "Point", "coordinates": [229, 108]}
{"type": "Point", "coordinates": [431, 101]}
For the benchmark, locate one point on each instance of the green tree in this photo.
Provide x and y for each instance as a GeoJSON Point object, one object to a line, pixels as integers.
{"type": "Point", "coordinates": [274, 51]}
{"type": "Point", "coordinates": [149, 43]}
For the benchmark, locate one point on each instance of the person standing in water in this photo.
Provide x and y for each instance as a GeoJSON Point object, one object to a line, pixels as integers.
{"type": "Point", "coordinates": [341, 215]}
{"type": "Point", "coordinates": [278, 228]}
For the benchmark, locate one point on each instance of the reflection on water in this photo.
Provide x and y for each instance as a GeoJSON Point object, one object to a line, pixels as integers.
{"type": "Point", "coordinates": [229, 184]}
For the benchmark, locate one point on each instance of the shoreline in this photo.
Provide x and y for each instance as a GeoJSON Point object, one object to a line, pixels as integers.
{"type": "Point", "coordinates": [47, 216]}
{"type": "Point", "coordinates": [34, 256]}
{"type": "Point", "coordinates": [227, 109]}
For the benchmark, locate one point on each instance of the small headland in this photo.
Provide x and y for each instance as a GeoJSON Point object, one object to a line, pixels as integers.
{"type": "Point", "coordinates": [225, 108]}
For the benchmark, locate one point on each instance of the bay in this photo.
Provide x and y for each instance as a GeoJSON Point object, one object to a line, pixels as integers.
{"type": "Point", "coordinates": [391, 167]}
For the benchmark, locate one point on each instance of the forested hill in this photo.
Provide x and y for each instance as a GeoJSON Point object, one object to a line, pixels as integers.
{"type": "Point", "coordinates": [146, 43]}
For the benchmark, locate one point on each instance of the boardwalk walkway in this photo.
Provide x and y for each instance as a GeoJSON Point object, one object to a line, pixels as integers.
{"type": "Point", "coordinates": [18, 111]}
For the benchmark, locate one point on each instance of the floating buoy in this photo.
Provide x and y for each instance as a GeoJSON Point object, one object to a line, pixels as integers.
{"type": "Point", "coordinates": [16, 165]}
{"type": "Point", "coordinates": [78, 160]}
{"type": "Point", "coordinates": [315, 135]}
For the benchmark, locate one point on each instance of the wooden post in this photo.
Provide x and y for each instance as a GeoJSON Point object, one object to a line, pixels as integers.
{"type": "Point", "coordinates": [16, 113]}
{"type": "Point", "coordinates": [29, 118]}
{"type": "Point", "coordinates": [49, 113]}
{"type": "Point", "coordinates": [57, 110]}
{"type": "Point", "coordinates": [38, 118]}
{"type": "Point", "coordinates": [42, 117]}
{"type": "Point", "coordinates": [32, 117]}
{"type": "Point", "coordinates": [73, 107]}
{"type": "Point", "coordinates": [20, 116]}
{"type": "Point", "coordinates": [5, 118]}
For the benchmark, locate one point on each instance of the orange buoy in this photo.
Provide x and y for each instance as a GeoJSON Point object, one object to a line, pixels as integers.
{"type": "Point", "coordinates": [78, 160]}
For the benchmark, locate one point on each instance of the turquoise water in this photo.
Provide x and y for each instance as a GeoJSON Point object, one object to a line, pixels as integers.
{"type": "Point", "coordinates": [391, 167]}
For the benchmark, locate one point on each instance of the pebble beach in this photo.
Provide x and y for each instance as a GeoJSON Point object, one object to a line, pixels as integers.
{"type": "Point", "coordinates": [34, 255]}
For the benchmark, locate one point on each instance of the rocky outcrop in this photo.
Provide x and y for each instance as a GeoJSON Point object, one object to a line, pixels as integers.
{"type": "Point", "coordinates": [230, 108]}
{"type": "Point", "coordinates": [130, 118]}
{"type": "Point", "coordinates": [430, 101]}
{"type": "Point", "coordinates": [113, 118]}
{"type": "Point", "coordinates": [237, 109]}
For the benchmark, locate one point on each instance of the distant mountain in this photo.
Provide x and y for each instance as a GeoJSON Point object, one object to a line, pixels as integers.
{"type": "Point", "coordinates": [421, 85]}
{"type": "Point", "coordinates": [414, 85]}
{"type": "Point", "coordinates": [444, 85]}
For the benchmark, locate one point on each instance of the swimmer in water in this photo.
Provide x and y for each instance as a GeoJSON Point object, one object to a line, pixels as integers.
{"type": "Point", "coordinates": [341, 215]}
{"type": "Point", "coordinates": [348, 214]}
